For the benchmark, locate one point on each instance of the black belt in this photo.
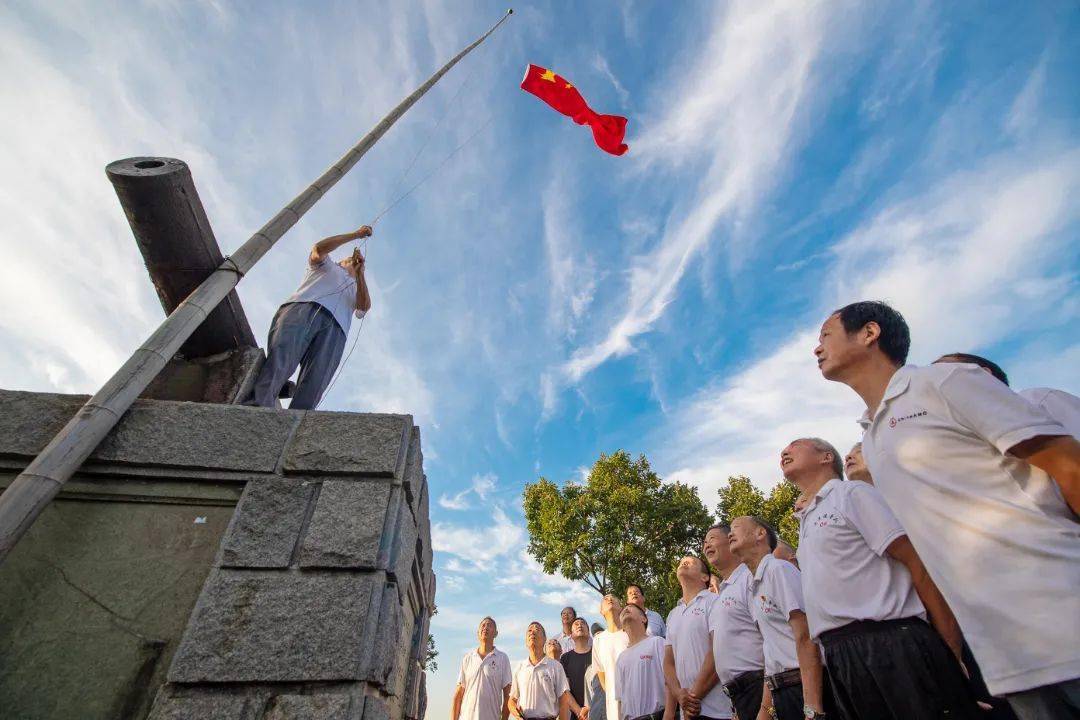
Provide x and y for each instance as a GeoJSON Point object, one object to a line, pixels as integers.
{"type": "Point", "coordinates": [862, 627]}
{"type": "Point", "coordinates": [784, 679]}
{"type": "Point", "coordinates": [658, 715]}
{"type": "Point", "coordinates": [742, 682]}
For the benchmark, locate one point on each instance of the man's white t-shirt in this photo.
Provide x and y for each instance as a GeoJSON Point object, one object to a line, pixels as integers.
{"type": "Point", "coordinates": [844, 532]}
{"type": "Point", "coordinates": [1058, 404]}
{"type": "Point", "coordinates": [640, 671]}
{"type": "Point", "coordinates": [776, 592]}
{"type": "Point", "coordinates": [991, 529]}
{"type": "Point", "coordinates": [331, 286]}
{"type": "Point", "coordinates": [537, 688]}
{"type": "Point", "coordinates": [484, 679]}
{"type": "Point", "coordinates": [736, 639]}
{"type": "Point", "coordinates": [607, 645]}
{"type": "Point", "coordinates": [688, 636]}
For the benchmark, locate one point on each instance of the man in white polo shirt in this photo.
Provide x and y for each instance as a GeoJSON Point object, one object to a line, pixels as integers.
{"type": "Point", "coordinates": [607, 645]}
{"type": "Point", "coordinates": [539, 690]}
{"type": "Point", "coordinates": [737, 653]}
{"type": "Point", "coordinates": [867, 596]}
{"type": "Point", "coordinates": [310, 328]}
{"type": "Point", "coordinates": [483, 685]}
{"type": "Point", "coordinates": [636, 596]}
{"type": "Point", "coordinates": [966, 466]}
{"type": "Point", "coordinates": [688, 661]}
{"type": "Point", "coordinates": [855, 466]}
{"type": "Point", "coordinates": [793, 675]}
{"type": "Point", "coordinates": [642, 695]}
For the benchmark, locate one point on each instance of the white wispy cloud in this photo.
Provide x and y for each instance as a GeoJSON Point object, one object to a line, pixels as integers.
{"type": "Point", "coordinates": [600, 64]}
{"type": "Point", "coordinates": [737, 111]}
{"type": "Point", "coordinates": [480, 487]}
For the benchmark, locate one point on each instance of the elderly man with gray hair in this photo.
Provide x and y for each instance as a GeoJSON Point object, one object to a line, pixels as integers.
{"type": "Point", "coordinates": [868, 596]}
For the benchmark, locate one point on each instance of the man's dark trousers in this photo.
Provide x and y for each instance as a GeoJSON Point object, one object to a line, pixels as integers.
{"type": "Point", "coordinates": [788, 702]}
{"type": "Point", "coordinates": [895, 670]}
{"type": "Point", "coordinates": [746, 697]}
{"type": "Point", "coordinates": [304, 334]}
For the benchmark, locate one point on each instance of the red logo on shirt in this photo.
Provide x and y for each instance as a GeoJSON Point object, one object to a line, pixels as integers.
{"type": "Point", "coordinates": [767, 605]}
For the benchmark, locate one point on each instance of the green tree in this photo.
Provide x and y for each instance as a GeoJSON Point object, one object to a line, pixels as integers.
{"type": "Point", "coordinates": [622, 526]}
{"type": "Point", "coordinates": [741, 497]}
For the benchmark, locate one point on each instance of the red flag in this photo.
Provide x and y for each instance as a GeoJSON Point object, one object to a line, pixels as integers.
{"type": "Point", "coordinates": [558, 92]}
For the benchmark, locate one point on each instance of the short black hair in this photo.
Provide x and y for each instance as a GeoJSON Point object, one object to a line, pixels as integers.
{"type": "Point", "coordinates": [570, 608]}
{"type": "Point", "coordinates": [979, 360]}
{"type": "Point", "coordinates": [644, 617]}
{"type": "Point", "coordinates": [721, 526]}
{"type": "Point", "coordinates": [770, 533]}
{"type": "Point", "coordinates": [538, 624]}
{"type": "Point", "coordinates": [634, 585]}
{"type": "Point", "coordinates": [895, 339]}
{"type": "Point", "coordinates": [596, 628]}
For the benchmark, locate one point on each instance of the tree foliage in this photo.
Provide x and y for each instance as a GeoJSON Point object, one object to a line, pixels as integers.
{"type": "Point", "coordinates": [622, 526]}
{"type": "Point", "coordinates": [741, 497]}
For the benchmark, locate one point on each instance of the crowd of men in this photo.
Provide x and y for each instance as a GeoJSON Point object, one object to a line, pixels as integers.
{"type": "Point", "coordinates": [949, 557]}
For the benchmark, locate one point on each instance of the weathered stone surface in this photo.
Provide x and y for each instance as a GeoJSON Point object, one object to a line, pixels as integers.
{"type": "Point", "coordinates": [349, 444]}
{"type": "Point", "coordinates": [30, 420]}
{"type": "Point", "coordinates": [266, 524]}
{"type": "Point", "coordinates": [414, 472]}
{"type": "Point", "coordinates": [228, 437]}
{"type": "Point", "coordinates": [204, 707]}
{"type": "Point", "coordinates": [404, 549]}
{"type": "Point", "coordinates": [424, 530]}
{"type": "Point", "coordinates": [347, 525]}
{"type": "Point", "coordinates": [261, 625]}
{"type": "Point", "coordinates": [375, 708]}
{"type": "Point", "coordinates": [153, 432]}
{"type": "Point", "coordinates": [381, 662]}
{"type": "Point", "coordinates": [310, 707]}
{"type": "Point", "coordinates": [402, 649]}
{"type": "Point", "coordinates": [421, 700]}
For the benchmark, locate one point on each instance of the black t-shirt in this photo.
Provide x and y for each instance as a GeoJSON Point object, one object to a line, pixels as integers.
{"type": "Point", "coordinates": [575, 664]}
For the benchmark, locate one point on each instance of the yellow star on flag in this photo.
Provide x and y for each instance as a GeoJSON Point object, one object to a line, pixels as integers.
{"type": "Point", "coordinates": [548, 75]}
{"type": "Point", "coordinates": [568, 86]}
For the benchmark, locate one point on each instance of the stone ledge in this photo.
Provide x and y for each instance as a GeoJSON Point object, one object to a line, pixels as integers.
{"type": "Point", "coordinates": [153, 432]}
{"type": "Point", "coordinates": [311, 707]}
{"type": "Point", "coordinates": [267, 626]}
{"type": "Point", "coordinates": [336, 443]}
{"type": "Point", "coordinates": [204, 707]}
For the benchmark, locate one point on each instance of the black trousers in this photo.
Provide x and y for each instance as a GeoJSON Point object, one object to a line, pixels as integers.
{"type": "Point", "coordinates": [788, 702]}
{"type": "Point", "coordinates": [895, 670]}
{"type": "Point", "coordinates": [747, 699]}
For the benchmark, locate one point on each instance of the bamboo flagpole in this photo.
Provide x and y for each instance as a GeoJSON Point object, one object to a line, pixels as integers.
{"type": "Point", "coordinates": [36, 486]}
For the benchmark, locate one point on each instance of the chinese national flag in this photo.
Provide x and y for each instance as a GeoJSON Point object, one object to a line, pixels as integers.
{"type": "Point", "coordinates": [559, 93]}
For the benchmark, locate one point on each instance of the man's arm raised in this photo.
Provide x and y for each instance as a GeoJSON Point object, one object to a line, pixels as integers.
{"type": "Point", "coordinates": [324, 247]}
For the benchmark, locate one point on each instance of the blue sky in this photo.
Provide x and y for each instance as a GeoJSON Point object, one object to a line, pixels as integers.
{"type": "Point", "coordinates": [537, 302]}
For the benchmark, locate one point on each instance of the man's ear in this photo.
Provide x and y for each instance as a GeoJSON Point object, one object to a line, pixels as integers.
{"type": "Point", "coordinates": [870, 333]}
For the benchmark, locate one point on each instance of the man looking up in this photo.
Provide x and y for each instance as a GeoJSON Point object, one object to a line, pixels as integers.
{"type": "Point", "coordinates": [688, 660]}
{"type": "Point", "coordinates": [976, 500]}
{"type": "Point", "coordinates": [736, 640]}
{"type": "Point", "coordinates": [577, 659]}
{"type": "Point", "coordinates": [553, 649]}
{"type": "Point", "coordinates": [565, 638]}
{"type": "Point", "coordinates": [855, 466]}
{"type": "Point", "coordinates": [640, 670]}
{"type": "Point", "coordinates": [793, 676]}
{"type": "Point", "coordinates": [607, 645]}
{"type": "Point", "coordinates": [867, 597]}
{"type": "Point", "coordinates": [310, 328]}
{"type": "Point", "coordinates": [483, 684]}
{"type": "Point", "coordinates": [636, 596]}
{"type": "Point", "coordinates": [539, 690]}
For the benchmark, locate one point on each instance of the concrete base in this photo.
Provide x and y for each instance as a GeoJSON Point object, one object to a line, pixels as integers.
{"type": "Point", "coordinates": [141, 590]}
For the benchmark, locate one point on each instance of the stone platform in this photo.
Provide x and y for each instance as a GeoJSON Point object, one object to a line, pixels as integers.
{"type": "Point", "coordinates": [218, 561]}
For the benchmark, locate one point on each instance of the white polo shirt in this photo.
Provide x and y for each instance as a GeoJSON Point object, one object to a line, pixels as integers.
{"type": "Point", "coordinates": [537, 688]}
{"type": "Point", "coordinates": [656, 625]}
{"type": "Point", "coordinates": [566, 642]}
{"type": "Point", "coordinates": [605, 651]}
{"type": "Point", "coordinates": [640, 669]}
{"type": "Point", "coordinates": [775, 593]}
{"type": "Point", "coordinates": [331, 286]}
{"type": "Point", "coordinates": [1058, 404]}
{"type": "Point", "coordinates": [484, 679]}
{"type": "Point", "coordinates": [1004, 554]}
{"type": "Point", "coordinates": [843, 533]}
{"type": "Point", "coordinates": [688, 637]}
{"type": "Point", "coordinates": [736, 640]}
